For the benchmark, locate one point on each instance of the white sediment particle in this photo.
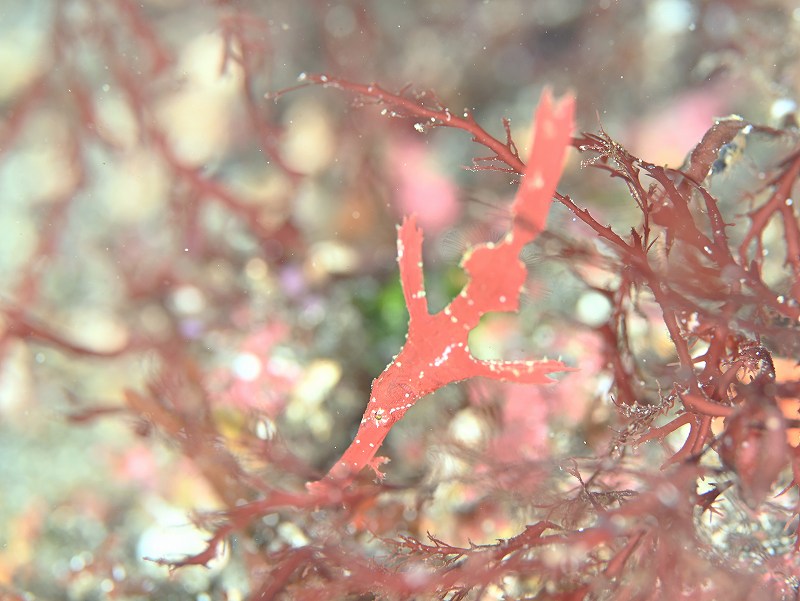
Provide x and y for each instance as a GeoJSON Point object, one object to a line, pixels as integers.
{"type": "Point", "coordinates": [443, 357]}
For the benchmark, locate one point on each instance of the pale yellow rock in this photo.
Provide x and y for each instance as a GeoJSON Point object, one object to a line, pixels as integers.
{"type": "Point", "coordinates": [22, 57]}
{"type": "Point", "coordinates": [134, 187]}
{"type": "Point", "coordinates": [198, 118]}
{"type": "Point", "coordinates": [96, 330]}
{"type": "Point", "coordinates": [309, 142]}
{"type": "Point", "coordinates": [16, 381]}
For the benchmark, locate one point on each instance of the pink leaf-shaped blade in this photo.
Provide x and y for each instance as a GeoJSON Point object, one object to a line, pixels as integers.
{"type": "Point", "coordinates": [553, 124]}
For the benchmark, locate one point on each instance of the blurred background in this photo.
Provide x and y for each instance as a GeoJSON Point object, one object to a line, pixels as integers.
{"type": "Point", "coordinates": [198, 284]}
